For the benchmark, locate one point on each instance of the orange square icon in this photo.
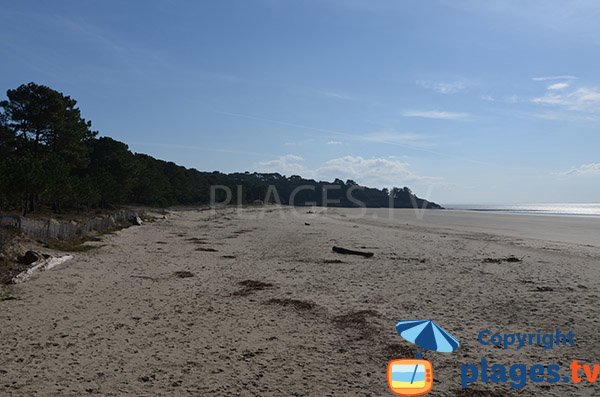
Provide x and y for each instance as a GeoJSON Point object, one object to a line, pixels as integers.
{"type": "Point", "coordinates": [410, 377]}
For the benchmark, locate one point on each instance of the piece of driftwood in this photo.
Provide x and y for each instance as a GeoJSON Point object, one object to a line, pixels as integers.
{"type": "Point", "coordinates": [346, 251]}
{"type": "Point", "coordinates": [45, 263]}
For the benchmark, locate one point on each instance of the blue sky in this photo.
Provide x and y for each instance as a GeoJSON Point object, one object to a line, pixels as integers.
{"type": "Point", "coordinates": [463, 101]}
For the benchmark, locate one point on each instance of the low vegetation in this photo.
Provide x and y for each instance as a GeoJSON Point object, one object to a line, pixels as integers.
{"type": "Point", "coordinates": [9, 269]}
{"type": "Point", "coordinates": [72, 245]}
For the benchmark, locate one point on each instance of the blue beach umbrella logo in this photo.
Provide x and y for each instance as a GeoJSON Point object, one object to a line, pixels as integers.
{"type": "Point", "coordinates": [427, 335]}
{"type": "Point", "coordinates": [414, 377]}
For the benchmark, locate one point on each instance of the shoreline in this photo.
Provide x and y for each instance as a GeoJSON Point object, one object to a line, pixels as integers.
{"type": "Point", "coordinates": [531, 212]}
{"type": "Point", "coordinates": [540, 208]}
{"type": "Point", "coordinates": [559, 229]}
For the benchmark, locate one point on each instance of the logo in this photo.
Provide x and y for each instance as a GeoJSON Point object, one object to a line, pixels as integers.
{"type": "Point", "coordinates": [407, 377]}
{"type": "Point", "coordinates": [518, 375]}
{"type": "Point", "coordinates": [414, 377]}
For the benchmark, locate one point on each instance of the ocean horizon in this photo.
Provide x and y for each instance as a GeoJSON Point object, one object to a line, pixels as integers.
{"type": "Point", "coordinates": [558, 209]}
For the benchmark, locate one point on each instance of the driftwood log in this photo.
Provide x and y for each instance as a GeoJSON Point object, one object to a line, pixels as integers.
{"type": "Point", "coordinates": [346, 251]}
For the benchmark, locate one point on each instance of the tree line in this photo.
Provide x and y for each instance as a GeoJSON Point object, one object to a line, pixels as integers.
{"type": "Point", "coordinates": [51, 158]}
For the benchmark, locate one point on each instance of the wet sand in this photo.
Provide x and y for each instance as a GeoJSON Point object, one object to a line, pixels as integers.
{"type": "Point", "coordinates": [256, 303]}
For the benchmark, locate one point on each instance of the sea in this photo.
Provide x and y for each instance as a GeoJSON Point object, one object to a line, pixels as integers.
{"type": "Point", "coordinates": [558, 209]}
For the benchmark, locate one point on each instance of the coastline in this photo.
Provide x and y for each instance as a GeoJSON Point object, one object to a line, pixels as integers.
{"type": "Point", "coordinates": [551, 209]}
{"type": "Point", "coordinates": [254, 302]}
{"type": "Point", "coordinates": [579, 230]}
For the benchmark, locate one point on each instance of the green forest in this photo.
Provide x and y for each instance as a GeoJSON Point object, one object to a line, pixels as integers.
{"type": "Point", "coordinates": [51, 159]}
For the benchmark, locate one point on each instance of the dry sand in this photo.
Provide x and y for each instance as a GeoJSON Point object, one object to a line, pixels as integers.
{"type": "Point", "coordinates": [255, 303]}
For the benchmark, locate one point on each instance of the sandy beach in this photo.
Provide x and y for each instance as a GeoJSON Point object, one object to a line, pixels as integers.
{"type": "Point", "coordinates": [254, 302]}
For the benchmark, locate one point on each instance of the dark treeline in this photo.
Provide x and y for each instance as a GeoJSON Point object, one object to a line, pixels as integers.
{"type": "Point", "coordinates": [51, 158]}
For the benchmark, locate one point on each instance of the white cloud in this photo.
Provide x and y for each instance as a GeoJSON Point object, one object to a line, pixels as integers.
{"type": "Point", "coordinates": [585, 99]}
{"type": "Point", "coordinates": [288, 165]}
{"type": "Point", "coordinates": [444, 88]}
{"type": "Point", "coordinates": [334, 142]}
{"type": "Point", "coordinates": [587, 95]}
{"type": "Point", "coordinates": [558, 86]}
{"type": "Point", "coordinates": [549, 99]}
{"type": "Point", "coordinates": [585, 169]}
{"type": "Point", "coordinates": [372, 172]}
{"type": "Point", "coordinates": [435, 114]}
{"type": "Point", "coordinates": [562, 77]}
{"type": "Point", "coordinates": [488, 98]}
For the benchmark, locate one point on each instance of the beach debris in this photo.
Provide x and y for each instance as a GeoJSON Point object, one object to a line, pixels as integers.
{"type": "Point", "coordinates": [306, 224]}
{"type": "Point", "coordinates": [543, 289]}
{"type": "Point", "coordinates": [206, 249]}
{"type": "Point", "coordinates": [40, 266]}
{"type": "Point", "coordinates": [228, 256]}
{"type": "Point", "coordinates": [250, 286]}
{"type": "Point", "coordinates": [346, 251]}
{"type": "Point", "coordinates": [136, 220]}
{"type": "Point", "coordinates": [197, 240]}
{"type": "Point", "coordinates": [510, 259]}
{"type": "Point", "coordinates": [183, 274]}
{"type": "Point", "coordinates": [29, 258]}
{"type": "Point", "coordinates": [240, 232]}
{"type": "Point", "coordinates": [295, 303]}
{"type": "Point", "coordinates": [146, 378]}
{"type": "Point", "coordinates": [513, 259]}
{"type": "Point", "coordinates": [247, 354]}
